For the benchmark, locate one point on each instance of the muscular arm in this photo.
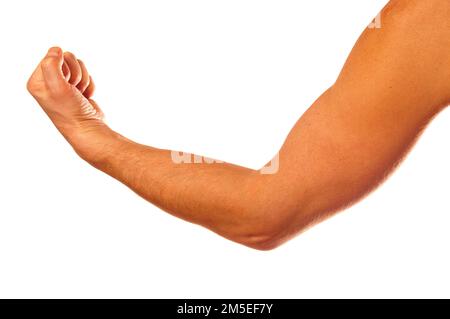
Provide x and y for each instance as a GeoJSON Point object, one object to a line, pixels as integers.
{"type": "Point", "coordinates": [394, 81]}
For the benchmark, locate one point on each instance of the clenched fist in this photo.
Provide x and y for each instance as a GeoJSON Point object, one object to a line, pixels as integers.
{"type": "Point", "coordinates": [63, 88]}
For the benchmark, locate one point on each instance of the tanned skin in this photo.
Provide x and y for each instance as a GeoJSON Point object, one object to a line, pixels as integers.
{"type": "Point", "coordinates": [396, 79]}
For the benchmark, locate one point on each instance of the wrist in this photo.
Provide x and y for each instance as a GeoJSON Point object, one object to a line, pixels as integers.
{"type": "Point", "coordinates": [94, 143]}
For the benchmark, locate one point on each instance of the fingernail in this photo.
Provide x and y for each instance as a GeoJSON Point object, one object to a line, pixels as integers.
{"type": "Point", "coordinates": [55, 51]}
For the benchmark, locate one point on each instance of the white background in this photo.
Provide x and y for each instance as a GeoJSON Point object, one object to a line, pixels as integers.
{"type": "Point", "coordinates": [226, 79]}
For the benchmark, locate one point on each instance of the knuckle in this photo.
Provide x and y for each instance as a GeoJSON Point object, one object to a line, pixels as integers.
{"type": "Point", "coordinates": [48, 62]}
{"type": "Point", "coordinates": [32, 87]}
{"type": "Point", "coordinates": [70, 55]}
{"type": "Point", "coordinates": [91, 85]}
{"type": "Point", "coordinates": [83, 85]}
{"type": "Point", "coordinates": [76, 78]}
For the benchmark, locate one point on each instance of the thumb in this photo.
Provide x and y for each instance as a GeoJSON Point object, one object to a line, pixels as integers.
{"type": "Point", "coordinates": [52, 71]}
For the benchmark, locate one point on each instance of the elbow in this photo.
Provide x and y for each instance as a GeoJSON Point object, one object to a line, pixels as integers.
{"type": "Point", "coordinates": [264, 234]}
{"type": "Point", "coordinates": [263, 243]}
{"type": "Point", "coordinates": [268, 219]}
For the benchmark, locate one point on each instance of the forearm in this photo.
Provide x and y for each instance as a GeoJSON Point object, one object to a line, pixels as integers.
{"type": "Point", "coordinates": [225, 198]}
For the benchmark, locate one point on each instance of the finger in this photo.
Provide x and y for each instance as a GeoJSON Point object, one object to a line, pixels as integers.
{"type": "Point", "coordinates": [66, 71]}
{"type": "Point", "coordinates": [98, 111]}
{"type": "Point", "coordinates": [89, 92]}
{"type": "Point", "coordinates": [75, 69]}
{"type": "Point", "coordinates": [84, 82]}
{"type": "Point", "coordinates": [51, 67]}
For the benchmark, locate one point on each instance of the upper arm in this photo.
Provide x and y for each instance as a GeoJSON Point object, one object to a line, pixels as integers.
{"type": "Point", "coordinates": [395, 80]}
